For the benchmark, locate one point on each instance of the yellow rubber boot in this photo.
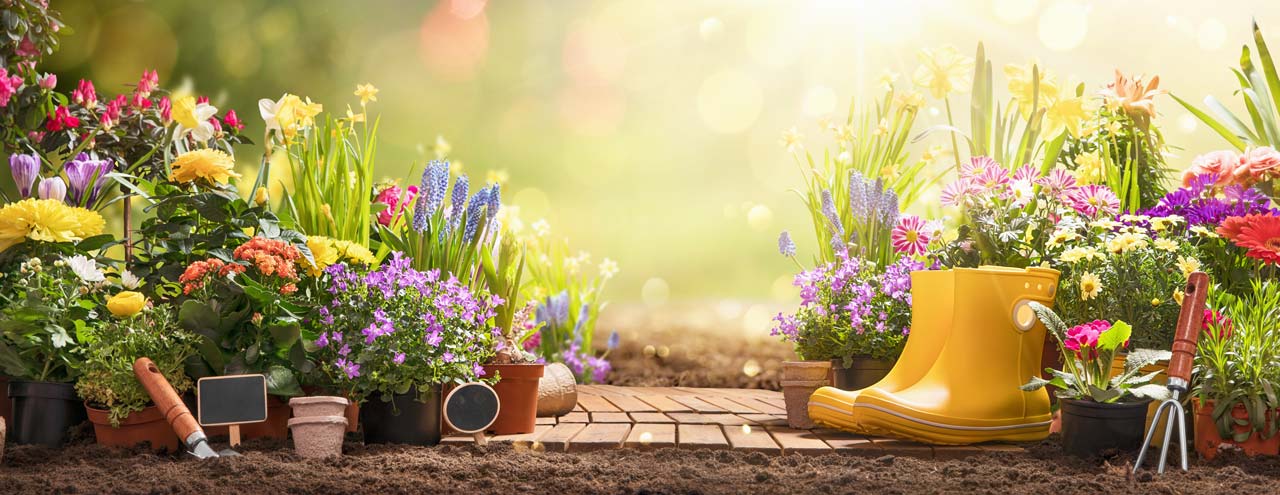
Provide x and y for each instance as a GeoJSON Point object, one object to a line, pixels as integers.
{"type": "Point", "coordinates": [930, 328]}
{"type": "Point", "coordinates": [971, 392]}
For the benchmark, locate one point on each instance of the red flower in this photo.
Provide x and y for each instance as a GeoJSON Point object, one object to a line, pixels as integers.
{"type": "Point", "coordinates": [1260, 234]}
{"type": "Point", "coordinates": [84, 95]}
{"type": "Point", "coordinates": [202, 99]}
{"type": "Point", "coordinates": [166, 109]}
{"type": "Point", "coordinates": [1218, 325]}
{"type": "Point", "coordinates": [61, 119]}
{"type": "Point", "coordinates": [232, 121]}
{"type": "Point", "coordinates": [148, 83]}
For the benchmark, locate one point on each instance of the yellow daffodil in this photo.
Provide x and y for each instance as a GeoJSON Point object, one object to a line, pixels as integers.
{"type": "Point", "coordinates": [441, 148]}
{"type": "Point", "coordinates": [1064, 115]}
{"type": "Point", "coordinates": [792, 140]}
{"type": "Point", "coordinates": [354, 117]}
{"type": "Point", "coordinates": [193, 118]}
{"type": "Point", "coordinates": [1088, 168]}
{"type": "Point", "coordinates": [1024, 90]}
{"type": "Point", "coordinates": [1188, 265]}
{"type": "Point", "coordinates": [943, 71]}
{"type": "Point", "coordinates": [1090, 286]}
{"type": "Point", "coordinates": [497, 177]}
{"type": "Point", "coordinates": [47, 220]}
{"type": "Point", "coordinates": [909, 99]}
{"type": "Point", "coordinates": [126, 304]}
{"type": "Point", "coordinates": [541, 228]}
{"type": "Point", "coordinates": [367, 93]}
{"type": "Point", "coordinates": [209, 165]}
{"type": "Point", "coordinates": [882, 128]}
{"type": "Point", "coordinates": [887, 78]}
{"type": "Point", "coordinates": [289, 114]}
{"type": "Point", "coordinates": [1166, 245]}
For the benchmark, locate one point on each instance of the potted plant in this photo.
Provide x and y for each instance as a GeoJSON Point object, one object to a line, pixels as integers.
{"type": "Point", "coordinates": [516, 370]}
{"type": "Point", "coordinates": [397, 336]}
{"type": "Point", "coordinates": [1100, 412]}
{"type": "Point", "coordinates": [118, 406]}
{"type": "Point", "coordinates": [1236, 373]}
{"type": "Point", "coordinates": [47, 307]}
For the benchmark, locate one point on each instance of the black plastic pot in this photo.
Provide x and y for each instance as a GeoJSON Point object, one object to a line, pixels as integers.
{"type": "Point", "coordinates": [1090, 428]}
{"type": "Point", "coordinates": [403, 419]}
{"type": "Point", "coordinates": [864, 372]}
{"type": "Point", "coordinates": [43, 412]}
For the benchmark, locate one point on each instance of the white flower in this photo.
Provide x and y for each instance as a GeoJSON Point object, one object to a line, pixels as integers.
{"type": "Point", "coordinates": [129, 281]}
{"type": "Point", "coordinates": [85, 268]}
{"type": "Point", "coordinates": [542, 228]}
{"type": "Point", "coordinates": [608, 268]}
{"type": "Point", "coordinates": [193, 118]}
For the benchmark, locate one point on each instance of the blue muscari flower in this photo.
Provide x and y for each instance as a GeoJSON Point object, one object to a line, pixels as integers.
{"type": "Point", "coordinates": [420, 207]}
{"type": "Point", "coordinates": [553, 311]}
{"type": "Point", "coordinates": [458, 198]}
{"type": "Point", "coordinates": [436, 184]}
{"type": "Point", "coordinates": [583, 313]}
{"type": "Point", "coordinates": [785, 245]}
{"type": "Point", "coordinates": [888, 208]}
{"type": "Point", "coordinates": [495, 201]}
{"type": "Point", "coordinates": [833, 218]}
{"type": "Point", "coordinates": [614, 340]}
{"type": "Point", "coordinates": [478, 201]}
{"type": "Point", "coordinates": [858, 196]}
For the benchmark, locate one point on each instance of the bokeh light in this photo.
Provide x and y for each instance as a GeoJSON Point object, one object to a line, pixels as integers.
{"type": "Point", "coordinates": [1064, 25]}
{"type": "Point", "coordinates": [729, 101]}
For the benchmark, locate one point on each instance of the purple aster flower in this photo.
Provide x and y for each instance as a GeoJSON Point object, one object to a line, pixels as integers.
{"type": "Point", "coordinates": [25, 169]}
{"type": "Point", "coordinates": [786, 246]}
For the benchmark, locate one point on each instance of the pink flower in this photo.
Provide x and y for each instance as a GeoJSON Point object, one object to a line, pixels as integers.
{"type": "Point", "coordinates": [202, 99]}
{"type": "Point", "coordinates": [1223, 163]}
{"type": "Point", "coordinates": [1219, 325]}
{"type": "Point", "coordinates": [977, 166]}
{"type": "Point", "coordinates": [49, 81]}
{"type": "Point", "coordinates": [147, 83]}
{"type": "Point", "coordinates": [993, 178]}
{"type": "Point", "coordinates": [910, 236]}
{"type": "Point", "coordinates": [111, 115]}
{"type": "Point", "coordinates": [8, 86]}
{"type": "Point", "coordinates": [61, 119]}
{"type": "Point", "coordinates": [391, 196]}
{"type": "Point", "coordinates": [1093, 201]}
{"type": "Point", "coordinates": [233, 121]}
{"type": "Point", "coordinates": [140, 101]}
{"type": "Point", "coordinates": [27, 49]}
{"type": "Point", "coordinates": [1057, 183]}
{"type": "Point", "coordinates": [1083, 339]}
{"type": "Point", "coordinates": [1027, 173]}
{"type": "Point", "coordinates": [166, 109]}
{"type": "Point", "coordinates": [959, 192]}
{"type": "Point", "coordinates": [1258, 164]}
{"type": "Point", "coordinates": [84, 95]}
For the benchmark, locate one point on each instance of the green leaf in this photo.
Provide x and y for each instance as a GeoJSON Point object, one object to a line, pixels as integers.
{"type": "Point", "coordinates": [285, 335]}
{"type": "Point", "coordinates": [1036, 383]}
{"type": "Point", "coordinates": [1115, 336]}
{"type": "Point", "coordinates": [1100, 395]}
{"type": "Point", "coordinates": [1213, 124]}
{"type": "Point", "coordinates": [281, 381]}
{"type": "Point", "coordinates": [1150, 391]}
{"type": "Point", "coordinates": [11, 362]}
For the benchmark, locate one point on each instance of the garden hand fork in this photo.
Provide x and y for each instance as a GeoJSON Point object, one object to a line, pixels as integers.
{"type": "Point", "coordinates": [1184, 351]}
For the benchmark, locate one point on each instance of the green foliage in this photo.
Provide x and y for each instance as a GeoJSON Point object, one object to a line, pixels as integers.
{"type": "Point", "coordinates": [994, 131]}
{"type": "Point", "coordinates": [1260, 90]}
{"type": "Point", "coordinates": [46, 316]}
{"type": "Point", "coordinates": [569, 295]}
{"type": "Point", "coordinates": [107, 379]}
{"type": "Point", "coordinates": [332, 171]}
{"type": "Point", "coordinates": [1086, 373]}
{"type": "Point", "coordinates": [447, 235]}
{"type": "Point", "coordinates": [503, 275]}
{"type": "Point", "coordinates": [1238, 360]}
{"type": "Point", "coordinates": [1124, 154]}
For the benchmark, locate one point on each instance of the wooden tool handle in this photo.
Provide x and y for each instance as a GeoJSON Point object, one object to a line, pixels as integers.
{"type": "Point", "coordinates": [166, 398]}
{"type": "Point", "coordinates": [1190, 323]}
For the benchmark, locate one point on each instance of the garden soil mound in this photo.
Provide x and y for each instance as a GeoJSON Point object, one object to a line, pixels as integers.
{"type": "Point", "coordinates": [269, 467]}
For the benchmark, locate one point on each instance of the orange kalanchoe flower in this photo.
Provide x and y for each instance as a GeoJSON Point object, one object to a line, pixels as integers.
{"type": "Point", "coordinates": [1137, 100]}
{"type": "Point", "coordinates": [272, 257]}
{"type": "Point", "coordinates": [194, 277]}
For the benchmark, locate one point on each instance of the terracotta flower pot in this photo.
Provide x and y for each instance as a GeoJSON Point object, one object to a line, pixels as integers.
{"type": "Point", "coordinates": [517, 396]}
{"type": "Point", "coordinates": [352, 414]}
{"type": "Point", "coordinates": [318, 436]}
{"type": "Point", "coordinates": [145, 426]}
{"type": "Point", "coordinates": [557, 391]}
{"type": "Point", "coordinates": [318, 406]}
{"type": "Point", "coordinates": [799, 380]}
{"type": "Point", "coordinates": [1208, 440]}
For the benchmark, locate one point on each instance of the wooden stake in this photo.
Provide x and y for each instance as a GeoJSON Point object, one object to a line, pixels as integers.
{"type": "Point", "coordinates": [235, 434]}
{"type": "Point", "coordinates": [128, 234]}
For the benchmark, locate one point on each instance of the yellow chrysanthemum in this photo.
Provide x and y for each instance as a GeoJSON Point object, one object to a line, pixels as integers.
{"type": "Point", "coordinates": [323, 254]}
{"type": "Point", "coordinates": [353, 253]}
{"type": "Point", "coordinates": [1090, 286]}
{"type": "Point", "coordinates": [213, 166]}
{"type": "Point", "coordinates": [46, 220]}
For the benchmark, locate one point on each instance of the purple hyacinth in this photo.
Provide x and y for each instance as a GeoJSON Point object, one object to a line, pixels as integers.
{"type": "Point", "coordinates": [786, 246]}
{"type": "Point", "coordinates": [614, 340]}
{"type": "Point", "coordinates": [25, 169]}
{"type": "Point", "coordinates": [553, 311]}
{"type": "Point", "coordinates": [479, 201]}
{"type": "Point", "coordinates": [458, 198]}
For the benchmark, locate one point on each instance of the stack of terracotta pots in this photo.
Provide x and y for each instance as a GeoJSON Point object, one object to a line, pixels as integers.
{"type": "Point", "coordinates": [799, 380]}
{"type": "Point", "coordinates": [319, 425]}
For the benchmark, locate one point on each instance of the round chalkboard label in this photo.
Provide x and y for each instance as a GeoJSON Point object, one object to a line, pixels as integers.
{"type": "Point", "coordinates": [471, 407]}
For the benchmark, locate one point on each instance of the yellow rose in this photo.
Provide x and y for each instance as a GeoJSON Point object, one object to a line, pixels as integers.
{"type": "Point", "coordinates": [126, 304]}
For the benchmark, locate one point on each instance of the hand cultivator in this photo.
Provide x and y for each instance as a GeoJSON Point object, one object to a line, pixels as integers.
{"type": "Point", "coordinates": [1184, 351]}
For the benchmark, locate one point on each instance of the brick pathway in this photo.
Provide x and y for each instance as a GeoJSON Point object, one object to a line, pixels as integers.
{"type": "Point", "coordinates": [611, 417]}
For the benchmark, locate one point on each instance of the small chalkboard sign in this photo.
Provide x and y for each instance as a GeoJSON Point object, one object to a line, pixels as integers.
{"type": "Point", "coordinates": [232, 400]}
{"type": "Point", "coordinates": [471, 408]}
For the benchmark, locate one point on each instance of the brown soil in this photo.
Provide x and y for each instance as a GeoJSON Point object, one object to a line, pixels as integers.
{"type": "Point", "coordinates": [267, 467]}
{"type": "Point", "coordinates": [690, 346]}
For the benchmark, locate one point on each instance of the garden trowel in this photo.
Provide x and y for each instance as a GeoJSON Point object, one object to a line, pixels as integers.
{"type": "Point", "coordinates": [175, 412]}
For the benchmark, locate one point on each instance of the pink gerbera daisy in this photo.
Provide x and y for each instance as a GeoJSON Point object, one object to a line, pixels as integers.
{"type": "Point", "coordinates": [993, 178]}
{"type": "Point", "coordinates": [1026, 173]}
{"type": "Point", "coordinates": [1058, 182]}
{"type": "Point", "coordinates": [1093, 201]}
{"type": "Point", "coordinates": [956, 193]}
{"type": "Point", "coordinates": [911, 235]}
{"type": "Point", "coordinates": [977, 166]}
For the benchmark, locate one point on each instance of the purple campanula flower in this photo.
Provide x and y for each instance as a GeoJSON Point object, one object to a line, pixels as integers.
{"type": "Point", "coordinates": [599, 368]}
{"type": "Point", "coordinates": [25, 170]}
{"type": "Point", "coordinates": [477, 369]}
{"type": "Point", "coordinates": [448, 357]}
{"type": "Point", "coordinates": [399, 358]}
{"type": "Point", "coordinates": [323, 340]}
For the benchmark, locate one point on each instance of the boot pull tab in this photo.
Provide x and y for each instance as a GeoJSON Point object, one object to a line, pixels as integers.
{"type": "Point", "coordinates": [1024, 318]}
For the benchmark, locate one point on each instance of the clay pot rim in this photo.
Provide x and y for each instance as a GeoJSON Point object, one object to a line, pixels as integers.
{"type": "Point", "coordinates": [517, 371]}
{"type": "Point", "coordinates": [808, 364]}
{"type": "Point", "coordinates": [149, 414]}
{"type": "Point", "coordinates": [318, 399]}
{"type": "Point", "coordinates": [306, 420]}
{"type": "Point", "coordinates": [804, 383]}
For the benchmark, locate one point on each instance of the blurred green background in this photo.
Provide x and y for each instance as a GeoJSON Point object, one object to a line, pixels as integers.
{"type": "Point", "coordinates": [644, 131]}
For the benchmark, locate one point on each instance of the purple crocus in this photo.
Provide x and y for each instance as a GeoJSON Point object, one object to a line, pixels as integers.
{"type": "Point", "coordinates": [83, 174]}
{"type": "Point", "coordinates": [53, 188]}
{"type": "Point", "coordinates": [25, 169]}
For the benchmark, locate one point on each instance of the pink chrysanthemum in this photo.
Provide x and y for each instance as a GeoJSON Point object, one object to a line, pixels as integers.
{"type": "Point", "coordinates": [1093, 201]}
{"type": "Point", "coordinates": [958, 192]}
{"type": "Point", "coordinates": [993, 178]}
{"type": "Point", "coordinates": [977, 166]}
{"type": "Point", "coordinates": [910, 236]}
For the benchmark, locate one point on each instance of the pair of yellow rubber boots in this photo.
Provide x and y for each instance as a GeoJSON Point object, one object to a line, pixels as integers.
{"type": "Point", "coordinates": [974, 340]}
